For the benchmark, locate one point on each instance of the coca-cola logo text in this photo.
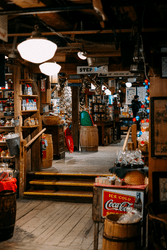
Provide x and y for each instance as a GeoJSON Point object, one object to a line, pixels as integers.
{"type": "Point", "coordinates": [117, 206]}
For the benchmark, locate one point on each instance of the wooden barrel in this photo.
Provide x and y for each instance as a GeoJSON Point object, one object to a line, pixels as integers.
{"type": "Point", "coordinates": [47, 158]}
{"type": "Point", "coordinates": [7, 214]}
{"type": "Point", "coordinates": [89, 138]}
{"type": "Point", "coordinates": [121, 236]}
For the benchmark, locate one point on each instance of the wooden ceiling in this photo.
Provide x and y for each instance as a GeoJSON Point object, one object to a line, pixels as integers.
{"type": "Point", "coordinates": [102, 28]}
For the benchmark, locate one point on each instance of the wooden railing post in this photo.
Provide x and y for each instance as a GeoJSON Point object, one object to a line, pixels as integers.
{"type": "Point", "coordinates": [23, 168]}
{"type": "Point", "coordinates": [134, 135]}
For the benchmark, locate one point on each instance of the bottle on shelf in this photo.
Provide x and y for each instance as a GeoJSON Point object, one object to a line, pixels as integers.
{"type": "Point", "coordinates": [25, 89]}
{"type": "Point", "coordinates": [34, 104]}
{"type": "Point", "coordinates": [1, 107]}
{"type": "Point", "coordinates": [23, 104]}
{"type": "Point", "coordinates": [27, 105]}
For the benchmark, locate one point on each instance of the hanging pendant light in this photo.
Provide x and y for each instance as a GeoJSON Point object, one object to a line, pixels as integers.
{"type": "Point", "coordinates": [37, 49]}
{"type": "Point", "coordinates": [50, 68]}
{"type": "Point", "coordinates": [128, 84]}
{"type": "Point", "coordinates": [82, 55]}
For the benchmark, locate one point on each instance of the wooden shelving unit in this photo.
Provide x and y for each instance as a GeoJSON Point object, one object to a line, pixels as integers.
{"type": "Point", "coordinates": [25, 112]}
{"type": "Point", "coordinates": [29, 96]}
{"type": "Point", "coordinates": [25, 81]}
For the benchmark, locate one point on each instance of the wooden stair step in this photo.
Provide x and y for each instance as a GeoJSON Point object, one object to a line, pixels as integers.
{"type": "Point", "coordinates": [60, 193]}
{"type": "Point", "coordinates": [68, 174]}
{"type": "Point", "coordinates": [84, 183]}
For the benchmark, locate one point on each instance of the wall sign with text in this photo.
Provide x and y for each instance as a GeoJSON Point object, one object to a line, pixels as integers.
{"type": "Point", "coordinates": [117, 201]}
{"type": "Point", "coordinates": [91, 70]}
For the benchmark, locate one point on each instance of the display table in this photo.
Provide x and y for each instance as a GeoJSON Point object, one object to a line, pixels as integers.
{"type": "Point", "coordinates": [112, 199]}
{"type": "Point", "coordinates": [101, 129]}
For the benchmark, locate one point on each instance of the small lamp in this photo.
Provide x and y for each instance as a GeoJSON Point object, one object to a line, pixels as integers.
{"type": "Point", "coordinates": [82, 55]}
{"type": "Point", "coordinates": [50, 68]}
{"type": "Point", "coordinates": [128, 84]}
{"type": "Point", "coordinates": [37, 49]}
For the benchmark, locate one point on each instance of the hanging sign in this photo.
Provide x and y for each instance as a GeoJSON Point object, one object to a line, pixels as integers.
{"type": "Point", "coordinates": [117, 74]}
{"type": "Point", "coordinates": [74, 84]}
{"type": "Point", "coordinates": [117, 201]}
{"type": "Point", "coordinates": [4, 28]}
{"type": "Point", "coordinates": [43, 85]}
{"type": "Point", "coordinates": [91, 70]}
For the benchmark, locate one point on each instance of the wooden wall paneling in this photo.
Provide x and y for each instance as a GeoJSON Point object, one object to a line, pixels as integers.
{"type": "Point", "coordinates": [75, 117]}
{"type": "Point", "coordinates": [158, 88]}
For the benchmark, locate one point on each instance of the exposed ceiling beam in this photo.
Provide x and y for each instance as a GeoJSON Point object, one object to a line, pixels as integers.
{"type": "Point", "coordinates": [42, 10]}
{"type": "Point", "coordinates": [88, 32]}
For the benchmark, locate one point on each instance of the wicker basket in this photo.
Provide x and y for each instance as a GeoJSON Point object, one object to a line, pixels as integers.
{"type": "Point", "coordinates": [51, 120]}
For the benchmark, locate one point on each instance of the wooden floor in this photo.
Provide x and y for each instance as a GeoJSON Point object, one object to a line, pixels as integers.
{"type": "Point", "coordinates": [52, 225]}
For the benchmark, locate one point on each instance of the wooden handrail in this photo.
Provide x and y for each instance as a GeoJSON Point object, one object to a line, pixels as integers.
{"type": "Point", "coordinates": [126, 139]}
{"type": "Point", "coordinates": [35, 137]}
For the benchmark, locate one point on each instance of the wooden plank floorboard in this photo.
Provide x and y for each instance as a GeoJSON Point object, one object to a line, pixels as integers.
{"type": "Point", "coordinates": [56, 223]}
{"type": "Point", "coordinates": [27, 208]}
{"type": "Point", "coordinates": [82, 234]}
{"type": "Point", "coordinates": [73, 234]}
{"type": "Point", "coordinates": [42, 231]}
{"type": "Point", "coordinates": [62, 232]}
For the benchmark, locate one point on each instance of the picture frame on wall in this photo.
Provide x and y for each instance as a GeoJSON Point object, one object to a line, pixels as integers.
{"type": "Point", "coordinates": [159, 186]}
{"type": "Point", "coordinates": [130, 93]}
{"type": "Point", "coordinates": [163, 66]}
{"type": "Point", "coordinates": [158, 126]}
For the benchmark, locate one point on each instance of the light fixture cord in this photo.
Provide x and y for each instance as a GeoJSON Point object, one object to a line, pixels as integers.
{"type": "Point", "coordinates": [142, 51]}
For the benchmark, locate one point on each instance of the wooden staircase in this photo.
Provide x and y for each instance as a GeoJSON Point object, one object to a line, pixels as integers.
{"type": "Point", "coordinates": [61, 186]}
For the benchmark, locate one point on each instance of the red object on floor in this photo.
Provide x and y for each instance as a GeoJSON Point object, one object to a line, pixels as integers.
{"type": "Point", "coordinates": [70, 143]}
{"type": "Point", "coordinates": [9, 185]}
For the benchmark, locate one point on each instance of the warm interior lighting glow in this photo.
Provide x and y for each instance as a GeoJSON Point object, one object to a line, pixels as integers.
{"type": "Point", "coordinates": [50, 68]}
{"type": "Point", "coordinates": [37, 49]}
{"type": "Point", "coordinates": [82, 55]}
{"type": "Point", "coordinates": [54, 78]}
{"type": "Point", "coordinates": [128, 84]}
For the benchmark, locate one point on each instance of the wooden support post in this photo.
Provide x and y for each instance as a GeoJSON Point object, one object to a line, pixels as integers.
{"type": "Point", "coordinates": [23, 168]}
{"type": "Point", "coordinates": [134, 135]}
{"type": "Point", "coordinates": [17, 107]}
{"type": "Point", "coordinates": [96, 235]}
{"type": "Point", "coordinates": [75, 117]}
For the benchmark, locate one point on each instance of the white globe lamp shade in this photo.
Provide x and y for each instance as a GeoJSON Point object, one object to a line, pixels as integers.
{"type": "Point", "coordinates": [50, 68]}
{"type": "Point", "coordinates": [37, 49]}
{"type": "Point", "coordinates": [82, 55]}
{"type": "Point", "coordinates": [128, 84]}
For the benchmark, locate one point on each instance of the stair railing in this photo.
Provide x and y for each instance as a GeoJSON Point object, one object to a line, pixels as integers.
{"type": "Point", "coordinates": [24, 146]}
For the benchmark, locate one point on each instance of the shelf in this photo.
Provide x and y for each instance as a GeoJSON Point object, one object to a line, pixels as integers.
{"type": "Point", "coordinates": [33, 126]}
{"type": "Point", "coordinates": [3, 143]}
{"type": "Point", "coordinates": [7, 157]}
{"type": "Point", "coordinates": [6, 90]}
{"type": "Point", "coordinates": [24, 81]}
{"type": "Point", "coordinates": [7, 127]}
{"type": "Point", "coordinates": [24, 112]}
{"type": "Point", "coordinates": [28, 96]}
